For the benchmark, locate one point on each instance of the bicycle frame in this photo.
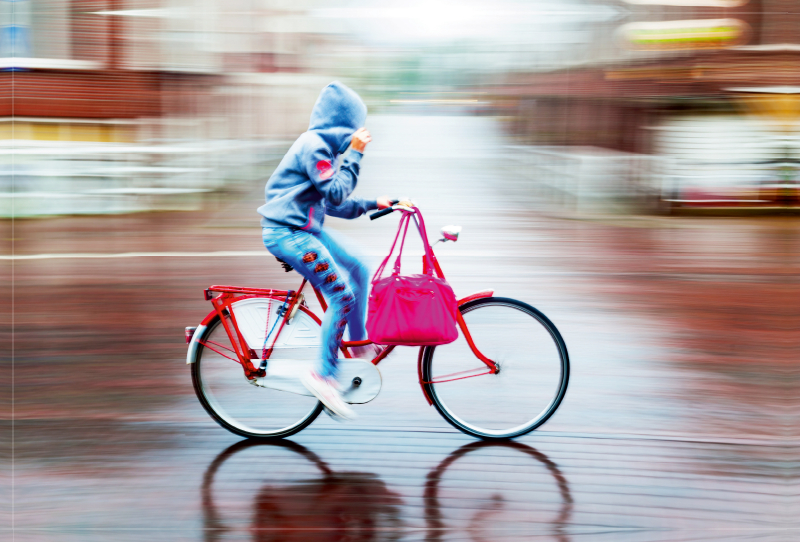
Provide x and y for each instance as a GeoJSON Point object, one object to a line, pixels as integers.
{"type": "Point", "coordinates": [294, 301]}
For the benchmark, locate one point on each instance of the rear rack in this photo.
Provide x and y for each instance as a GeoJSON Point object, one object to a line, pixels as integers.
{"type": "Point", "coordinates": [263, 292]}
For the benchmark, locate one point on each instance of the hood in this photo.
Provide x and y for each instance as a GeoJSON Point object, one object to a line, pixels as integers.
{"type": "Point", "coordinates": [338, 113]}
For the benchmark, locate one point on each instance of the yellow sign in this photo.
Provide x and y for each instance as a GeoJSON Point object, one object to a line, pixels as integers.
{"type": "Point", "coordinates": [692, 3]}
{"type": "Point", "coordinates": [683, 35]}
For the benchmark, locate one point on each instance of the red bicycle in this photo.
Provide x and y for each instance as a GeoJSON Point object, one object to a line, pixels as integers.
{"type": "Point", "coordinates": [504, 376]}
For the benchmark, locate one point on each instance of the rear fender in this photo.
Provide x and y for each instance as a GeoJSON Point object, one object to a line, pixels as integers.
{"type": "Point", "coordinates": [208, 318]}
{"type": "Point", "coordinates": [190, 354]}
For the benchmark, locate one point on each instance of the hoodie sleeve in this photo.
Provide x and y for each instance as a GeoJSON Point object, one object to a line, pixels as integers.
{"type": "Point", "coordinates": [353, 207]}
{"type": "Point", "coordinates": [334, 185]}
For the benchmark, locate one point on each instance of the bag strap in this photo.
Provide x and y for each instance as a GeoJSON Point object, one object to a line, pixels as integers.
{"type": "Point", "coordinates": [429, 257]}
{"type": "Point", "coordinates": [419, 222]}
{"type": "Point", "coordinates": [400, 251]}
{"type": "Point", "coordinates": [423, 233]}
{"type": "Point", "coordinates": [404, 219]}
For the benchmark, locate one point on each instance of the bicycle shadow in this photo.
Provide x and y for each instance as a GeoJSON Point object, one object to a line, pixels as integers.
{"type": "Point", "coordinates": [487, 517]}
{"type": "Point", "coordinates": [326, 506]}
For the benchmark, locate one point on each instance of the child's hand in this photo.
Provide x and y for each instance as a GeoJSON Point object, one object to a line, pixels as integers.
{"type": "Point", "coordinates": [384, 202]}
{"type": "Point", "coordinates": [360, 139]}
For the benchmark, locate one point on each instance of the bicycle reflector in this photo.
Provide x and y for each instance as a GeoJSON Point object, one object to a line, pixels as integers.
{"type": "Point", "coordinates": [189, 332]}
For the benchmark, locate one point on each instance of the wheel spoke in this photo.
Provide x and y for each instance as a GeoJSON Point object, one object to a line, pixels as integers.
{"type": "Point", "coordinates": [208, 343]}
{"type": "Point", "coordinates": [470, 373]}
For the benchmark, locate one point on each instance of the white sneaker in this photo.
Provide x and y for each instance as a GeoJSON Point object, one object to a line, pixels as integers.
{"type": "Point", "coordinates": [327, 391]}
{"type": "Point", "coordinates": [333, 416]}
{"type": "Point", "coordinates": [368, 352]}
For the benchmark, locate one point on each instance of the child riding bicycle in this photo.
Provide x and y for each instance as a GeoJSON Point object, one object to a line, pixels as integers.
{"type": "Point", "coordinates": [316, 178]}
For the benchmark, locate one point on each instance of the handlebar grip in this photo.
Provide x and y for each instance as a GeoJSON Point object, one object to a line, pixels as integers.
{"type": "Point", "coordinates": [382, 212]}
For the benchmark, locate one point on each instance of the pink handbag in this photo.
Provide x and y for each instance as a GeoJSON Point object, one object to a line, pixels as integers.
{"type": "Point", "coordinates": [411, 310]}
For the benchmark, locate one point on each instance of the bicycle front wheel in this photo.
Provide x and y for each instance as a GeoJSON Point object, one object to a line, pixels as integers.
{"type": "Point", "coordinates": [237, 405]}
{"type": "Point", "coordinates": [531, 382]}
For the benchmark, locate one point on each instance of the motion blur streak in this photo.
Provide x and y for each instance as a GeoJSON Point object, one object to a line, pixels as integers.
{"type": "Point", "coordinates": [629, 167]}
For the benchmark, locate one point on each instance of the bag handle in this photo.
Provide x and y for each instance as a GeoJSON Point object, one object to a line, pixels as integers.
{"type": "Point", "coordinates": [400, 250]}
{"type": "Point", "coordinates": [423, 233]}
{"type": "Point", "coordinates": [404, 219]}
{"type": "Point", "coordinates": [419, 222]}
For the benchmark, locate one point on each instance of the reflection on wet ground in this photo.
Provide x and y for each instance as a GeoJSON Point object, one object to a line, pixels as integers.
{"type": "Point", "coordinates": [329, 506]}
{"type": "Point", "coordinates": [396, 485]}
{"type": "Point", "coordinates": [356, 506]}
{"type": "Point", "coordinates": [679, 423]}
{"type": "Point", "coordinates": [495, 518]}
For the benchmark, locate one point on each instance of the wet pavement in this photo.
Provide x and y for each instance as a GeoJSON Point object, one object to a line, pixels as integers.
{"type": "Point", "coordinates": [679, 422]}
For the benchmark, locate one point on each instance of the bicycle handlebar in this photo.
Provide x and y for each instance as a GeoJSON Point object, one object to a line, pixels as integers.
{"type": "Point", "coordinates": [384, 212]}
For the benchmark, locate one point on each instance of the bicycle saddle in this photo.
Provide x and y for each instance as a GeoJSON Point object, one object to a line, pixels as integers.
{"type": "Point", "coordinates": [286, 266]}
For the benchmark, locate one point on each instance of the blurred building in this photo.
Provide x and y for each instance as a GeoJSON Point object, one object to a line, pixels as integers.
{"type": "Point", "coordinates": [694, 101]}
{"type": "Point", "coordinates": [124, 105]}
{"type": "Point", "coordinates": [120, 106]}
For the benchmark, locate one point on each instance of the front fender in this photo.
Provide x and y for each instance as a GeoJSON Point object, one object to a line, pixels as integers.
{"type": "Point", "coordinates": [476, 295]}
{"type": "Point", "coordinates": [419, 374]}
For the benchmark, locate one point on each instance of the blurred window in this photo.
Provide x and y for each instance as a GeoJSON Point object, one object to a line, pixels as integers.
{"type": "Point", "coordinates": [52, 34]}
{"type": "Point", "coordinates": [15, 28]}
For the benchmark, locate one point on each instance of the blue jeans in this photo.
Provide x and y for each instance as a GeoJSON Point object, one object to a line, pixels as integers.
{"type": "Point", "coordinates": [341, 277]}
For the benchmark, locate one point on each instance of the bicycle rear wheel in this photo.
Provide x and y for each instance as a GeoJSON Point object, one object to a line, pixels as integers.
{"type": "Point", "coordinates": [531, 383]}
{"type": "Point", "coordinates": [240, 407]}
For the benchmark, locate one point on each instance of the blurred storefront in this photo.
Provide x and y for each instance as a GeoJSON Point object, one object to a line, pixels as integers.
{"type": "Point", "coordinates": [700, 106]}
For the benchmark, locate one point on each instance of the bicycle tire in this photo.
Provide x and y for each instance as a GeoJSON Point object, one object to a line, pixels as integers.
{"type": "Point", "coordinates": [512, 326]}
{"type": "Point", "coordinates": [236, 424]}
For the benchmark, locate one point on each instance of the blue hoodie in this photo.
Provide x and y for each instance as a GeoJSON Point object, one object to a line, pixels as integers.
{"type": "Point", "coordinates": [314, 178]}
